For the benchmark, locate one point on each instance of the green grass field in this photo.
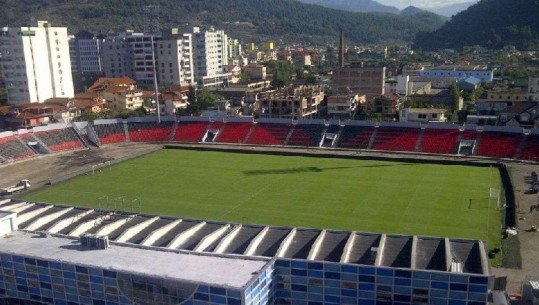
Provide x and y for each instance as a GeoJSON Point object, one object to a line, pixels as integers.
{"type": "Point", "coordinates": [376, 196]}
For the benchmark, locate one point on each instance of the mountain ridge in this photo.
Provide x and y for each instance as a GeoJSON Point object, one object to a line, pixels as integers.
{"type": "Point", "coordinates": [365, 6]}
{"type": "Point", "coordinates": [489, 23]}
{"type": "Point", "coordinates": [250, 20]}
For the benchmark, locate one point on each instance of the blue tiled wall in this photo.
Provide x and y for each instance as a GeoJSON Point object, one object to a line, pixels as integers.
{"type": "Point", "coordinates": [59, 283]}
{"type": "Point", "coordinates": [283, 282]}
{"type": "Point", "coordinates": [314, 283]}
{"type": "Point", "coordinates": [260, 291]}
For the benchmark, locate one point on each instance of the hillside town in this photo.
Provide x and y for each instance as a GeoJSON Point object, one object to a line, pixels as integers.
{"type": "Point", "coordinates": [206, 72]}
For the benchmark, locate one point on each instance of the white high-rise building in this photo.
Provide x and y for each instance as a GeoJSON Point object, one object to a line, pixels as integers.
{"type": "Point", "coordinates": [211, 55]}
{"type": "Point", "coordinates": [129, 54]}
{"type": "Point", "coordinates": [36, 63]}
{"type": "Point", "coordinates": [175, 64]}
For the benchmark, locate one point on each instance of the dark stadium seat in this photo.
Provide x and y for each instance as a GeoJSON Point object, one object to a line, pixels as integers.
{"type": "Point", "coordinates": [150, 132]}
{"type": "Point", "coordinates": [499, 144]}
{"type": "Point", "coordinates": [60, 139]}
{"type": "Point", "coordinates": [110, 133]}
{"type": "Point", "coordinates": [355, 136]}
{"type": "Point", "coordinates": [269, 134]}
{"type": "Point", "coordinates": [396, 139]}
{"type": "Point", "coordinates": [13, 149]}
{"type": "Point", "coordinates": [234, 132]}
{"type": "Point", "coordinates": [306, 135]}
{"type": "Point", "coordinates": [530, 151]}
{"type": "Point", "coordinates": [440, 141]}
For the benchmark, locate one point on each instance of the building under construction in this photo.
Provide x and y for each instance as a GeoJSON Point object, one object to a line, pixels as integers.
{"type": "Point", "coordinates": [301, 102]}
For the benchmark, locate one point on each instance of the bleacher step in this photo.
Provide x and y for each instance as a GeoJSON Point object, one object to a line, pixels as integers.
{"type": "Point", "coordinates": [337, 137]}
{"type": "Point", "coordinates": [126, 131]}
{"type": "Point", "coordinates": [173, 133]}
{"type": "Point", "coordinates": [459, 138]}
{"type": "Point", "coordinates": [419, 140]}
{"type": "Point", "coordinates": [249, 134]}
{"type": "Point", "coordinates": [520, 147]}
{"type": "Point", "coordinates": [373, 138]}
{"type": "Point", "coordinates": [477, 143]}
{"type": "Point", "coordinates": [289, 135]}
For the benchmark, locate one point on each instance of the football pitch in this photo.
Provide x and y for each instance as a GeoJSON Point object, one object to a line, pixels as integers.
{"type": "Point", "coordinates": [332, 193]}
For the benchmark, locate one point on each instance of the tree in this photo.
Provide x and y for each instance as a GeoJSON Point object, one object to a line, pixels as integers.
{"type": "Point", "coordinates": [456, 98]}
{"type": "Point", "coordinates": [203, 99]}
{"type": "Point", "coordinates": [282, 72]}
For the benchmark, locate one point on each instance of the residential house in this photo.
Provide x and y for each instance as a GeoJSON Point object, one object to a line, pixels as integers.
{"type": "Point", "coordinates": [422, 115]}
{"type": "Point", "coordinates": [123, 98]}
{"type": "Point", "coordinates": [520, 115]}
{"type": "Point", "coordinates": [344, 106]}
{"type": "Point", "coordinates": [105, 82]}
{"type": "Point", "coordinates": [388, 105]}
{"type": "Point", "coordinates": [171, 101]}
{"type": "Point", "coordinates": [91, 101]}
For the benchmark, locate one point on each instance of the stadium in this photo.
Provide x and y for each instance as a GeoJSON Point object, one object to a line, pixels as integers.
{"type": "Point", "coordinates": [243, 211]}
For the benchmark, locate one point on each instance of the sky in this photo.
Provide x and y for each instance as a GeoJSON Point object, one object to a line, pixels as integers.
{"type": "Point", "coordinates": [420, 3]}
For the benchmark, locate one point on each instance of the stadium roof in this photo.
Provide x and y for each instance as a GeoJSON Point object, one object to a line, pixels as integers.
{"type": "Point", "coordinates": [184, 267]}
{"type": "Point", "coordinates": [390, 250]}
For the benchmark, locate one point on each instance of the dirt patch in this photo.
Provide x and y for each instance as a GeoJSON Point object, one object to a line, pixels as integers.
{"type": "Point", "coordinates": [526, 218]}
{"type": "Point", "coordinates": [42, 169]}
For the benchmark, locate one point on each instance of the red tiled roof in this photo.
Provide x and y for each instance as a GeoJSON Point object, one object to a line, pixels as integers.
{"type": "Point", "coordinates": [98, 85]}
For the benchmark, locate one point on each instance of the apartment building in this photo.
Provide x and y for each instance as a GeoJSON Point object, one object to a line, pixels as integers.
{"type": "Point", "coordinates": [175, 65]}
{"type": "Point", "coordinates": [211, 56]}
{"type": "Point", "coordinates": [36, 63]}
{"type": "Point", "coordinates": [85, 53]}
{"type": "Point", "coordinates": [130, 54]}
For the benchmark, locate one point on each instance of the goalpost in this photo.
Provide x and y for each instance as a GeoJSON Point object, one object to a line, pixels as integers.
{"type": "Point", "coordinates": [487, 202]}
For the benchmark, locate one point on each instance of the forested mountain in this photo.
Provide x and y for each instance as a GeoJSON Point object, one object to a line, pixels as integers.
{"type": "Point", "coordinates": [489, 23]}
{"type": "Point", "coordinates": [249, 20]}
{"type": "Point", "coordinates": [412, 10]}
{"type": "Point", "coordinates": [365, 6]}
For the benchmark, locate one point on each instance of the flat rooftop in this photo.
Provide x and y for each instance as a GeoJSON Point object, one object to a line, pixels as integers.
{"type": "Point", "coordinates": [197, 268]}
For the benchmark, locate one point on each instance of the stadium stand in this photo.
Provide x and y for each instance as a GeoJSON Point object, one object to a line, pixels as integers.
{"type": "Point", "coordinates": [499, 144]}
{"type": "Point", "coordinates": [110, 133]}
{"type": "Point", "coordinates": [439, 141]}
{"type": "Point", "coordinates": [396, 139]}
{"type": "Point", "coordinates": [12, 148]}
{"type": "Point", "coordinates": [306, 135]}
{"type": "Point", "coordinates": [60, 139]}
{"type": "Point", "coordinates": [269, 134]}
{"type": "Point", "coordinates": [486, 141]}
{"type": "Point", "coordinates": [150, 131]}
{"type": "Point", "coordinates": [190, 131]}
{"type": "Point", "coordinates": [213, 131]}
{"type": "Point", "coordinates": [469, 134]}
{"type": "Point", "coordinates": [355, 136]}
{"type": "Point", "coordinates": [234, 132]}
{"type": "Point", "coordinates": [530, 151]}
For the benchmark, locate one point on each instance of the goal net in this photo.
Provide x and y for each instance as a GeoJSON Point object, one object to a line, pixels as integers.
{"type": "Point", "coordinates": [492, 200]}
